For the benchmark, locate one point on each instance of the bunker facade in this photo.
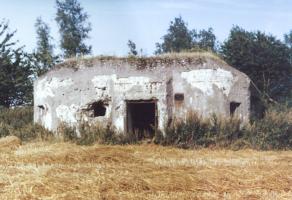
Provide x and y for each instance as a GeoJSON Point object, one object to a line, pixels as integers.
{"type": "Point", "coordinates": [140, 93]}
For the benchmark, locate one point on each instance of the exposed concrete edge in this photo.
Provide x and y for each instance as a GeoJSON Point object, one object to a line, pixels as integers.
{"type": "Point", "coordinates": [141, 63]}
{"type": "Point", "coordinates": [197, 59]}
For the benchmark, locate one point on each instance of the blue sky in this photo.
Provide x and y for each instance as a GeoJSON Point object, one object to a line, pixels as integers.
{"type": "Point", "coordinates": [145, 21]}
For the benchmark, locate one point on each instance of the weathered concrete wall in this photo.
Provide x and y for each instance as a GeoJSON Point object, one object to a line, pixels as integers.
{"type": "Point", "coordinates": [66, 95]}
{"type": "Point", "coordinates": [210, 91]}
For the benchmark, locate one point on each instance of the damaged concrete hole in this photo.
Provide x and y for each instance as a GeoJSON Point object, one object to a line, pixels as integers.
{"type": "Point", "coordinates": [97, 109]}
{"type": "Point", "coordinates": [141, 118]}
{"type": "Point", "coordinates": [233, 107]}
{"type": "Point", "coordinates": [179, 97]}
{"type": "Point", "coordinates": [41, 107]}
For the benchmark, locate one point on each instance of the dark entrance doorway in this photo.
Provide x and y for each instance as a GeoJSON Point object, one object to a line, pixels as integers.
{"type": "Point", "coordinates": [142, 118]}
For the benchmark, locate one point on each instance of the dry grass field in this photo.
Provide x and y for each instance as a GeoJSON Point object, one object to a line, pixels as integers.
{"type": "Point", "coordinates": [43, 170]}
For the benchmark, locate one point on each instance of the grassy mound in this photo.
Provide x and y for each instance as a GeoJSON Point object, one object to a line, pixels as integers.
{"type": "Point", "coordinates": [180, 59]}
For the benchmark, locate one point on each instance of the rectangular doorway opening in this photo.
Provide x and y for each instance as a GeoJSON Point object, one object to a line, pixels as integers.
{"type": "Point", "coordinates": [142, 118]}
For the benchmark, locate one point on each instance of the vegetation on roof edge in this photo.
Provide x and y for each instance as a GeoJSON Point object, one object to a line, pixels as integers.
{"type": "Point", "coordinates": [142, 62]}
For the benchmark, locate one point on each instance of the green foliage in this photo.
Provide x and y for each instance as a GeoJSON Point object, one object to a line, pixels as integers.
{"type": "Point", "coordinates": [196, 132]}
{"type": "Point", "coordinates": [68, 133]}
{"type": "Point", "coordinates": [15, 71]}
{"type": "Point", "coordinates": [16, 117]}
{"type": "Point", "coordinates": [4, 129]}
{"type": "Point", "coordinates": [263, 58]}
{"type": "Point", "coordinates": [31, 132]}
{"type": "Point", "coordinates": [43, 58]}
{"type": "Point", "coordinates": [87, 134]}
{"type": "Point", "coordinates": [288, 42]}
{"type": "Point", "coordinates": [73, 27]}
{"type": "Point", "coordinates": [205, 40]}
{"type": "Point", "coordinates": [132, 48]}
{"type": "Point", "coordinates": [18, 122]}
{"type": "Point", "coordinates": [180, 38]}
{"type": "Point", "coordinates": [274, 131]}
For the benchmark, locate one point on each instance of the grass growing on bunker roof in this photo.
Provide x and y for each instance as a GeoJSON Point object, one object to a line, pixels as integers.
{"type": "Point", "coordinates": [143, 62]}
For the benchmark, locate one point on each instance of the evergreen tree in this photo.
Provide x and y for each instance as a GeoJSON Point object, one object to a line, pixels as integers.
{"type": "Point", "coordinates": [205, 40]}
{"type": "Point", "coordinates": [15, 71]}
{"type": "Point", "coordinates": [73, 27]}
{"type": "Point", "coordinates": [288, 39]}
{"type": "Point", "coordinates": [132, 48]}
{"type": "Point", "coordinates": [288, 42]}
{"type": "Point", "coordinates": [178, 38]}
{"type": "Point", "coordinates": [44, 58]}
{"type": "Point", "coordinates": [263, 58]}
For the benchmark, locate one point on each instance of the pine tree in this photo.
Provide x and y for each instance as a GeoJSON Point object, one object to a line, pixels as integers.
{"type": "Point", "coordinates": [73, 27]}
{"type": "Point", "coordinates": [44, 58]}
{"type": "Point", "coordinates": [178, 38]}
{"type": "Point", "coordinates": [15, 71]}
{"type": "Point", "coordinates": [132, 48]}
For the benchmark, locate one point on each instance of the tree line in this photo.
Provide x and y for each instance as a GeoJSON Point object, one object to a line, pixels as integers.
{"type": "Point", "coordinates": [18, 68]}
{"type": "Point", "coordinates": [266, 59]}
{"type": "Point", "coordinates": [263, 57]}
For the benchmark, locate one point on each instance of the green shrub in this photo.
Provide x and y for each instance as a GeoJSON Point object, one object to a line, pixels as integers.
{"type": "Point", "coordinates": [185, 133]}
{"type": "Point", "coordinates": [4, 129]}
{"type": "Point", "coordinates": [96, 133]}
{"type": "Point", "coordinates": [31, 132]}
{"type": "Point", "coordinates": [19, 122]}
{"type": "Point", "coordinates": [16, 117]}
{"type": "Point", "coordinates": [274, 131]}
{"type": "Point", "coordinates": [66, 132]}
{"type": "Point", "coordinates": [224, 131]}
{"type": "Point", "coordinates": [198, 132]}
{"type": "Point", "coordinates": [87, 134]}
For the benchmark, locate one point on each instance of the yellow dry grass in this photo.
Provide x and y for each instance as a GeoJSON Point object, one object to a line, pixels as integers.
{"type": "Point", "coordinates": [10, 142]}
{"type": "Point", "coordinates": [66, 171]}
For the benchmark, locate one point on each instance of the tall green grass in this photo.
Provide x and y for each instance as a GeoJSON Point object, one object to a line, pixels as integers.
{"type": "Point", "coordinates": [19, 122]}
{"type": "Point", "coordinates": [273, 131]}
{"type": "Point", "coordinates": [198, 132]}
{"type": "Point", "coordinates": [86, 134]}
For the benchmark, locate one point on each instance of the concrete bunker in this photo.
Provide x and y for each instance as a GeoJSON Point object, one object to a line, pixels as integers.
{"type": "Point", "coordinates": [141, 117]}
{"type": "Point", "coordinates": [140, 94]}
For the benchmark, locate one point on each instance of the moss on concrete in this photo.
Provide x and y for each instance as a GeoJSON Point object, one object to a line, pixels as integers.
{"type": "Point", "coordinates": [140, 63]}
